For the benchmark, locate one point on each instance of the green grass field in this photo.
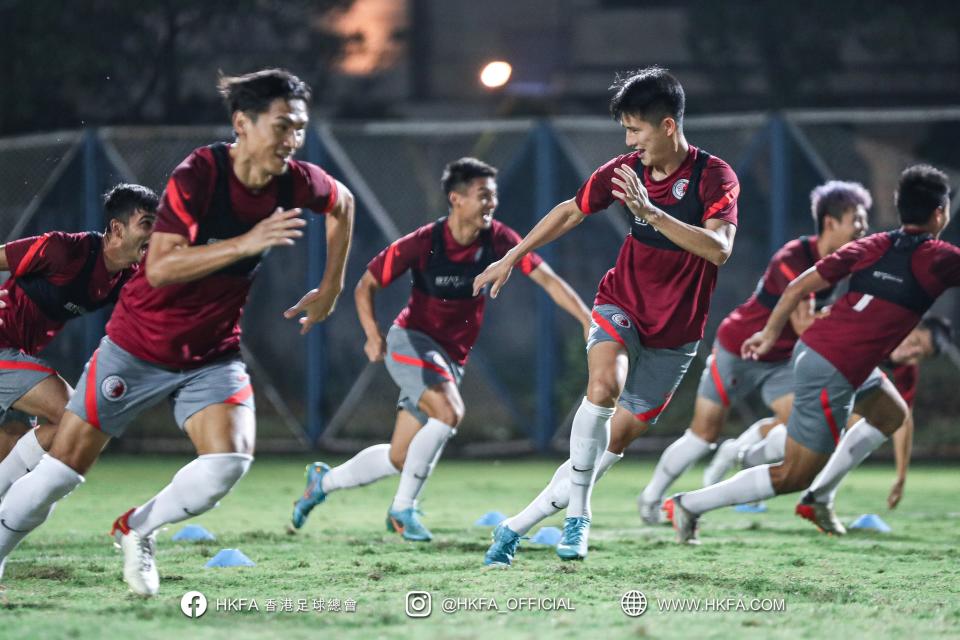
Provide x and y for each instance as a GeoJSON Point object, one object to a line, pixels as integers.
{"type": "Point", "coordinates": [65, 580]}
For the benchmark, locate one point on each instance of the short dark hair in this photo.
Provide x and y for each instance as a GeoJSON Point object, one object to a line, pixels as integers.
{"type": "Point", "coordinates": [941, 331]}
{"type": "Point", "coordinates": [463, 171]}
{"type": "Point", "coordinates": [836, 197]}
{"type": "Point", "coordinates": [120, 202]}
{"type": "Point", "coordinates": [922, 189]}
{"type": "Point", "coordinates": [651, 94]}
{"type": "Point", "coordinates": [252, 93]}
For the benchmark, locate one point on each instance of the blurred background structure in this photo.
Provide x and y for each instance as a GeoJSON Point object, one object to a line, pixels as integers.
{"type": "Point", "coordinates": [96, 92]}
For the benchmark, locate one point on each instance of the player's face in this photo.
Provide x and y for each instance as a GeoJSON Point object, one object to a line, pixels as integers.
{"type": "Point", "coordinates": [650, 140]}
{"type": "Point", "coordinates": [275, 135]}
{"type": "Point", "coordinates": [477, 202]}
{"type": "Point", "coordinates": [917, 346]}
{"type": "Point", "coordinates": [135, 235]}
{"type": "Point", "coordinates": [853, 224]}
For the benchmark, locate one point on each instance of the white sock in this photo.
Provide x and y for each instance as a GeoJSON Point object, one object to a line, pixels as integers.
{"type": "Point", "coordinates": [676, 459]}
{"type": "Point", "coordinates": [30, 500]}
{"type": "Point", "coordinates": [422, 456]}
{"type": "Point", "coordinates": [752, 435]}
{"type": "Point", "coordinates": [22, 459]}
{"type": "Point", "coordinates": [195, 489]}
{"type": "Point", "coordinates": [749, 485]}
{"type": "Point", "coordinates": [556, 495]}
{"type": "Point", "coordinates": [588, 439]}
{"type": "Point", "coordinates": [859, 442]}
{"type": "Point", "coordinates": [769, 450]}
{"type": "Point", "coordinates": [368, 466]}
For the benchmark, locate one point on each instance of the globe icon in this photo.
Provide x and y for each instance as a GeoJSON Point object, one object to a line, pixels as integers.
{"type": "Point", "coordinates": [633, 603]}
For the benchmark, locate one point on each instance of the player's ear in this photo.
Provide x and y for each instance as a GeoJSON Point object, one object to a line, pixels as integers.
{"type": "Point", "coordinates": [669, 125]}
{"type": "Point", "coordinates": [240, 123]}
{"type": "Point", "coordinates": [452, 198]}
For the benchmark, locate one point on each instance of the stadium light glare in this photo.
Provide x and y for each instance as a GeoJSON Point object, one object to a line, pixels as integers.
{"type": "Point", "coordinates": [496, 74]}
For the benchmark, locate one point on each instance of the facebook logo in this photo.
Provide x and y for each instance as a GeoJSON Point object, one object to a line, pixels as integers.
{"type": "Point", "coordinates": [193, 604]}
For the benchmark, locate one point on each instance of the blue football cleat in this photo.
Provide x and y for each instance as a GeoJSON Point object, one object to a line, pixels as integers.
{"type": "Point", "coordinates": [312, 495]}
{"type": "Point", "coordinates": [407, 523]}
{"type": "Point", "coordinates": [573, 544]}
{"type": "Point", "coordinates": [504, 547]}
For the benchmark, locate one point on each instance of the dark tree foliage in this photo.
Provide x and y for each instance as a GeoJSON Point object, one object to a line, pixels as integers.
{"type": "Point", "coordinates": [94, 62]}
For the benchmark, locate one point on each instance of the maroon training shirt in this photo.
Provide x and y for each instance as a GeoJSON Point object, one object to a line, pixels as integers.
{"type": "Point", "coordinates": [454, 324]}
{"type": "Point", "coordinates": [187, 325]}
{"type": "Point", "coordinates": [58, 257]}
{"type": "Point", "coordinates": [855, 339]}
{"type": "Point", "coordinates": [666, 292]}
{"type": "Point", "coordinates": [789, 262]}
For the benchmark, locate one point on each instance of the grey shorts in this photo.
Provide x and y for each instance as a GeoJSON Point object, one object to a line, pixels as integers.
{"type": "Point", "coordinates": [116, 387]}
{"type": "Point", "coordinates": [417, 362]}
{"type": "Point", "coordinates": [824, 400]}
{"type": "Point", "coordinates": [653, 374]}
{"type": "Point", "coordinates": [727, 378]}
{"type": "Point", "coordinates": [18, 374]}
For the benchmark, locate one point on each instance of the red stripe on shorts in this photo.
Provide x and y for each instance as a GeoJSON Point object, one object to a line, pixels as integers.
{"type": "Point", "coordinates": [423, 364]}
{"type": "Point", "coordinates": [26, 366]}
{"type": "Point", "coordinates": [828, 413]}
{"type": "Point", "coordinates": [90, 395]}
{"type": "Point", "coordinates": [604, 324]}
{"type": "Point", "coordinates": [718, 381]}
{"type": "Point", "coordinates": [240, 396]}
{"type": "Point", "coordinates": [653, 413]}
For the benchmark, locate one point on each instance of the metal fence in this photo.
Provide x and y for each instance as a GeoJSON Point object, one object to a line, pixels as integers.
{"type": "Point", "coordinates": [528, 370]}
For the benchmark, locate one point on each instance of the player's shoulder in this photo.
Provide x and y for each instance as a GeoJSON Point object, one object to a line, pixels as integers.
{"type": "Point", "coordinates": [796, 247]}
{"type": "Point", "coordinates": [308, 171]}
{"type": "Point", "coordinates": [200, 163]}
{"type": "Point", "coordinates": [941, 250]}
{"type": "Point", "coordinates": [631, 159]}
{"type": "Point", "coordinates": [717, 166]}
{"type": "Point", "coordinates": [501, 229]}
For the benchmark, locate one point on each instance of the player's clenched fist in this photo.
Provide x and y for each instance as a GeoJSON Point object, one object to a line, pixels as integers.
{"type": "Point", "coordinates": [757, 345]}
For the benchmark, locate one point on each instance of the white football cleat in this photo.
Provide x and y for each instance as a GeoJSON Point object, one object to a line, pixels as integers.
{"type": "Point", "coordinates": [649, 511]}
{"type": "Point", "coordinates": [139, 568]}
{"type": "Point", "coordinates": [723, 460]}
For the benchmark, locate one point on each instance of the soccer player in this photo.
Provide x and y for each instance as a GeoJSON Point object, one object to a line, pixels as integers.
{"type": "Point", "coordinates": [650, 309]}
{"type": "Point", "coordinates": [54, 278]}
{"type": "Point", "coordinates": [894, 278]}
{"type": "Point", "coordinates": [175, 332]}
{"type": "Point", "coordinates": [427, 347]}
{"type": "Point", "coordinates": [839, 212]}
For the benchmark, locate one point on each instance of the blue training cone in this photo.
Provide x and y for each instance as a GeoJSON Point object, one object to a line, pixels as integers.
{"type": "Point", "coordinates": [751, 507]}
{"type": "Point", "coordinates": [547, 535]}
{"type": "Point", "coordinates": [490, 519]}
{"type": "Point", "coordinates": [193, 532]}
{"type": "Point", "coordinates": [230, 558]}
{"type": "Point", "coordinates": [871, 521]}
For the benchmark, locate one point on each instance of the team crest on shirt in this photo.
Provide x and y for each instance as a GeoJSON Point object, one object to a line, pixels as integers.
{"type": "Point", "coordinates": [113, 388]}
{"type": "Point", "coordinates": [680, 188]}
{"type": "Point", "coordinates": [621, 320]}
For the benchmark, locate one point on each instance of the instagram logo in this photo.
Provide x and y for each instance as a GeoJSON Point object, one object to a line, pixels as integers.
{"type": "Point", "coordinates": [419, 604]}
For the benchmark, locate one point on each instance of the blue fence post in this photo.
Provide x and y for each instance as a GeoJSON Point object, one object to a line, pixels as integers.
{"type": "Point", "coordinates": [317, 338]}
{"type": "Point", "coordinates": [92, 221]}
{"type": "Point", "coordinates": [779, 182]}
{"type": "Point", "coordinates": [545, 198]}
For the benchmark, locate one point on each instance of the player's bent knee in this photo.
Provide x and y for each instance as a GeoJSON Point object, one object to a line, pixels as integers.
{"type": "Point", "coordinates": [603, 392]}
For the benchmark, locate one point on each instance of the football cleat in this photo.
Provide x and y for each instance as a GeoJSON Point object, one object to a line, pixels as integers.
{"type": "Point", "coordinates": [573, 543]}
{"type": "Point", "coordinates": [312, 495]}
{"type": "Point", "coordinates": [667, 510]}
{"type": "Point", "coordinates": [820, 514]}
{"type": "Point", "coordinates": [139, 568]}
{"type": "Point", "coordinates": [722, 461]}
{"type": "Point", "coordinates": [685, 523]}
{"type": "Point", "coordinates": [407, 523]}
{"type": "Point", "coordinates": [504, 547]}
{"type": "Point", "coordinates": [649, 511]}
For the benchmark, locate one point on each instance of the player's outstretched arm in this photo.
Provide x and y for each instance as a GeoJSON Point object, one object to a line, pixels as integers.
{"type": "Point", "coordinates": [561, 219]}
{"type": "Point", "coordinates": [902, 449]}
{"type": "Point", "coordinates": [363, 295]}
{"type": "Point", "coordinates": [318, 303]}
{"type": "Point", "coordinates": [810, 281]}
{"type": "Point", "coordinates": [171, 259]}
{"type": "Point", "coordinates": [4, 264]}
{"type": "Point", "coordinates": [712, 242]}
{"type": "Point", "coordinates": [562, 294]}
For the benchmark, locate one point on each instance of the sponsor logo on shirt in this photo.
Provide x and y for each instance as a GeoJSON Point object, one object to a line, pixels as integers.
{"type": "Point", "coordinates": [679, 188]}
{"type": "Point", "coordinates": [889, 277]}
{"type": "Point", "coordinates": [75, 309]}
{"type": "Point", "coordinates": [451, 281]}
{"type": "Point", "coordinates": [113, 388]}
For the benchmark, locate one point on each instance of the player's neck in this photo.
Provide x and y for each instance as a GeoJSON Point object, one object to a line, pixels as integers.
{"type": "Point", "coordinates": [110, 258]}
{"type": "Point", "coordinates": [247, 171]}
{"type": "Point", "coordinates": [672, 160]}
{"type": "Point", "coordinates": [930, 228]}
{"type": "Point", "coordinates": [824, 246]}
{"type": "Point", "coordinates": [465, 234]}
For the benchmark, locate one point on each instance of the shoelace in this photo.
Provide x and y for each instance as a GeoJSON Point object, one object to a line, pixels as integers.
{"type": "Point", "coordinates": [145, 553]}
{"type": "Point", "coordinates": [574, 533]}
